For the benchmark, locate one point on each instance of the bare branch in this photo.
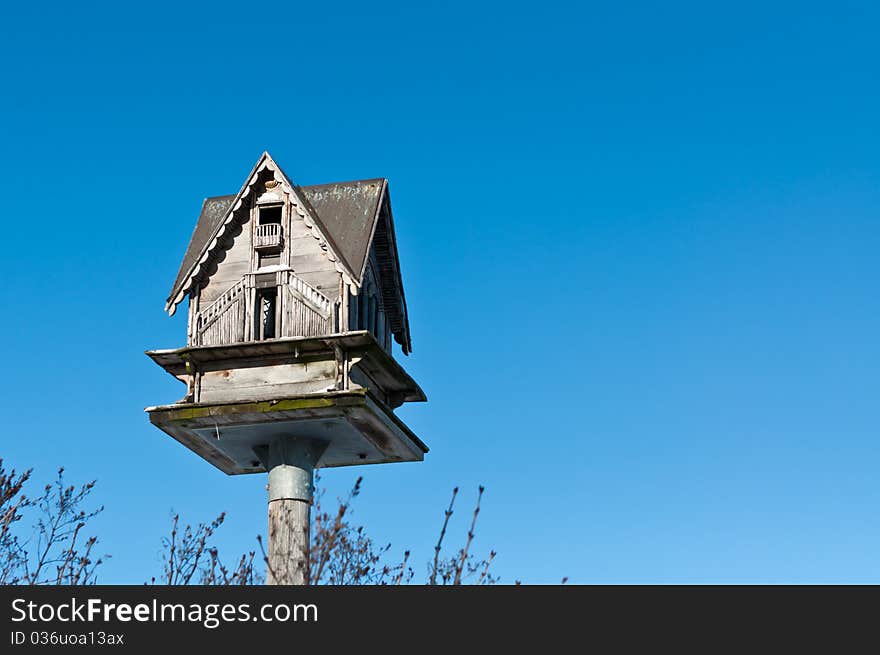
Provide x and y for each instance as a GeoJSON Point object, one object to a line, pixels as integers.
{"type": "Point", "coordinates": [433, 578]}
{"type": "Point", "coordinates": [470, 538]}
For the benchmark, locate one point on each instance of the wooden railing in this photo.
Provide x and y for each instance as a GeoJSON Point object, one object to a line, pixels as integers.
{"type": "Point", "coordinates": [307, 311]}
{"type": "Point", "coordinates": [267, 236]}
{"type": "Point", "coordinates": [222, 321]}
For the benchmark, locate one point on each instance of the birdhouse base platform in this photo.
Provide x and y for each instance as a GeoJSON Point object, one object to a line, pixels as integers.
{"type": "Point", "coordinates": [356, 428]}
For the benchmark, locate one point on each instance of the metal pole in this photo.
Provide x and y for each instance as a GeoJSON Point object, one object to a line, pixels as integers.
{"type": "Point", "coordinates": [290, 463]}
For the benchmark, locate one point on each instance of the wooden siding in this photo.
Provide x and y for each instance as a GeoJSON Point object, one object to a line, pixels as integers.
{"type": "Point", "coordinates": [234, 266]}
{"type": "Point", "coordinates": [306, 311]}
{"type": "Point", "coordinates": [303, 253]}
{"type": "Point", "coordinates": [366, 311]}
{"type": "Point", "coordinates": [266, 382]}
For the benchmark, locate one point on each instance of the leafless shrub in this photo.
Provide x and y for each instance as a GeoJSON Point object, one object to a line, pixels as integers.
{"type": "Point", "coordinates": [12, 503]}
{"type": "Point", "coordinates": [462, 565]}
{"type": "Point", "coordinates": [242, 574]}
{"type": "Point", "coordinates": [190, 558]}
{"type": "Point", "coordinates": [56, 552]}
{"type": "Point", "coordinates": [342, 553]}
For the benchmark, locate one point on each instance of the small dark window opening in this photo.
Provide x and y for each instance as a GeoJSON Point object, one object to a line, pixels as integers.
{"type": "Point", "coordinates": [362, 310]}
{"type": "Point", "coordinates": [270, 215]}
{"type": "Point", "coordinates": [266, 314]}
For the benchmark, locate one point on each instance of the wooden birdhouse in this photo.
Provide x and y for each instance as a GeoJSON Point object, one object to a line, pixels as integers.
{"type": "Point", "coordinates": [294, 300]}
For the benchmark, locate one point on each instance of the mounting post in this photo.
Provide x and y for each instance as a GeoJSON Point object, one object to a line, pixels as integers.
{"type": "Point", "coordinates": [290, 463]}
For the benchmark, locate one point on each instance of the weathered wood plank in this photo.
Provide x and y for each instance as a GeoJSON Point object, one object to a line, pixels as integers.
{"type": "Point", "coordinates": [303, 261]}
{"type": "Point", "coordinates": [261, 382]}
{"type": "Point", "coordinates": [277, 374]}
{"type": "Point", "coordinates": [228, 273]}
{"type": "Point", "coordinates": [224, 394]}
{"type": "Point", "coordinates": [288, 556]}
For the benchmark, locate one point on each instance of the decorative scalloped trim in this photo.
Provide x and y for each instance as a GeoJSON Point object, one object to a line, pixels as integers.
{"type": "Point", "coordinates": [205, 259]}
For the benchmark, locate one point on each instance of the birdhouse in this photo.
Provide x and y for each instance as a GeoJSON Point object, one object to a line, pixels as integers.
{"type": "Point", "coordinates": [294, 300]}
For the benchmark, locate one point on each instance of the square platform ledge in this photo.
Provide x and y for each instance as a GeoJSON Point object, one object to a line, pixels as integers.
{"type": "Point", "coordinates": [357, 428]}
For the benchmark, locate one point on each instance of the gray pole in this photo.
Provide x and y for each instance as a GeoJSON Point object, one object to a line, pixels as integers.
{"type": "Point", "coordinates": [290, 463]}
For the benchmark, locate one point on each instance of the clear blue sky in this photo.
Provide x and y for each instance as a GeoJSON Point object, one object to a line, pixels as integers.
{"type": "Point", "coordinates": [639, 243]}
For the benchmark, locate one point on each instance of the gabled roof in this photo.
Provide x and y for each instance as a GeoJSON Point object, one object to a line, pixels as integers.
{"type": "Point", "coordinates": [350, 215]}
{"type": "Point", "coordinates": [348, 210]}
{"type": "Point", "coordinates": [214, 210]}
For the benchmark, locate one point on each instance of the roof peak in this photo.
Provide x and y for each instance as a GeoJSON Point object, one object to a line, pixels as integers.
{"type": "Point", "coordinates": [343, 212]}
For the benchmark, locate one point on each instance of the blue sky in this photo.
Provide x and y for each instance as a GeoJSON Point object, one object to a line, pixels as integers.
{"type": "Point", "coordinates": [638, 243]}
